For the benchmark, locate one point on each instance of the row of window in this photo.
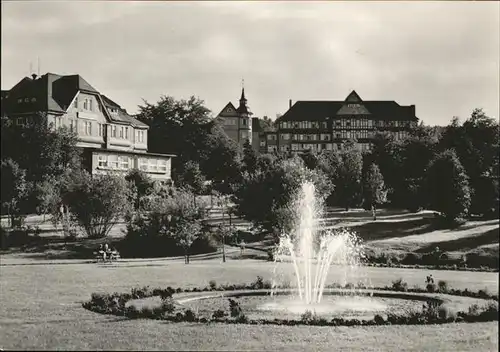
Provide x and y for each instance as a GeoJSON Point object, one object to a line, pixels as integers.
{"type": "Point", "coordinates": [314, 147]}
{"type": "Point", "coordinates": [88, 104]}
{"type": "Point", "coordinates": [26, 100]}
{"type": "Point", "coordinates": [153, 165]}
{"type": "Point", "coordinates": [344, 123]}
{"type": "Point", "coordinates": [336, 135]}
{"type": "Point", "coordinates": [121, 132]}
{"type": "Point", "coordinates": [118, 162]}
{"type": "Point", "coordinates": [303, 124]}
{"type": "Point", "coordinates": [115, 162]}
{"type": "Point", "coordinates": [233, 122]}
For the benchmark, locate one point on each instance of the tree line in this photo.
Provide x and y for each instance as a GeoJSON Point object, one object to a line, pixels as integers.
{"type": "Point", "coordinates": [452, 170]}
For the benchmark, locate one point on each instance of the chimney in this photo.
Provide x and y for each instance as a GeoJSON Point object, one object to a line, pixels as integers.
{"type": "Point", "coordinates": [34, 76]}
{"type": "Point", "coordinates": [289, 103]}
{"type": "Point", "coordinates": [412, 107]}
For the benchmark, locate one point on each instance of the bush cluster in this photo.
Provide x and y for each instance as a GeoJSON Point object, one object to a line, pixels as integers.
{"type": "Point", "coordinates": [470, 262]}
{"type": "Point", "coordinates": [20, 237]}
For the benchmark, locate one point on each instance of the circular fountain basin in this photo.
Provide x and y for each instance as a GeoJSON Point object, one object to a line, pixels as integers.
{"type": "Point", "coordinates": [284, 304]}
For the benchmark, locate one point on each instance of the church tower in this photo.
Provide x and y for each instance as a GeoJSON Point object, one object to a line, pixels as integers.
{"type": "Point", "coordinates": [237, 122]}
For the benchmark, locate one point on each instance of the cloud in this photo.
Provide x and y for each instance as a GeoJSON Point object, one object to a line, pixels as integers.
{"type": "Point", "coordinates": [441, 56]}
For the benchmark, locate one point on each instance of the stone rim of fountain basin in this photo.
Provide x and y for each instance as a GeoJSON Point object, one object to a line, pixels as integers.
{"type": "Point", "coordinates": [184, 299]}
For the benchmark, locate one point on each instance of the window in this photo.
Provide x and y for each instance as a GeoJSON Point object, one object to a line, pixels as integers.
{"type": "Point", "coordinates": [153, 165]}
{"type": "Point", "coordinates": [329, 146]}
{"type": "Point", "coordinates": [90, 105]}
{"type": "Point", "coordinates": [271, 137]}
{"type": "Point", "coordinates": [113, 161]}
{"type": "Point", "coordinates": [26, 100]}
{"type": "Point", "coordinates": [262, 143]}
{"type": "Point", "coordinates": [99, 129]}
{"type": "Point", "coordinates": [33, 100]}
{"type": "Point", "coordinates": [113, 131]}
{"type": "Point", "coordinates": [141, 136]}
{"type": "Point", "coordinates": [124, 162]}
{"type": "Point", "coordinates": [75, 103]}
{"type": "Point", "coordinates": [121, 132]}
{"type": "Point", "coordinates": [102, 161]}
{"type": "Point", "coordinates": [162, 165]}
{"type": "Point", "coordinates": [88, 128]}
{"type": "Point", "coordinates": [126, 132]}
{"type": "Point", "coordinates": [271, 148]}
{"type": "Point", "coordinates": [72, 125]}
{"type": "Point", "coordinates": [85, 104]}
{"type": "Point", "coordinates": [324, 125]}
{"type": "Point", "coordinates": [285, 136]}
{"type": "Point", "coordinates": [244, 122]}
{"type": "Point", "coordinates": [283, 148]}
{"type": "Point", "coordinates": [20, 100]}
{"type": "Point", "coordinates": [295, 147]}
{"type": "Point", "coordinates": [143, 164]}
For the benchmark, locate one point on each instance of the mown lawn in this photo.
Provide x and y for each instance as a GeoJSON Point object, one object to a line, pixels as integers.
{"type": "Point", "coordinates": [41, 309]}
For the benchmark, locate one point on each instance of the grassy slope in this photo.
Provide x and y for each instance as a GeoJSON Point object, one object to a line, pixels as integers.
{"type": "Point", "coordinates": [41, 310]}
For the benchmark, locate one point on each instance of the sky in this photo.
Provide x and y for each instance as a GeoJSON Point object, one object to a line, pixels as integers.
{"type": "Point", "coordinates": [442, 57]}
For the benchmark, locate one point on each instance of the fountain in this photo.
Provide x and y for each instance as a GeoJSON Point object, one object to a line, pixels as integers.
{"type": "Point", "coordinates": [312, 252]}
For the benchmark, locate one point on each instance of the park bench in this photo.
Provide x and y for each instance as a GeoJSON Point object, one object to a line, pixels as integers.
{"type": "Point", "coordinates": [114, 256]}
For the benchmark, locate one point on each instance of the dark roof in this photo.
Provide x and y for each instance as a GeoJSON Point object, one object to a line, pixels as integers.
{"type": "Point", "coordinates": [120, 115]}
{"type": "Point", "coordinates": [226, 113]}
{"type": "Point", "coordinates": [54, 93]}
{"type": "Point", "coordinates": [314, 110]}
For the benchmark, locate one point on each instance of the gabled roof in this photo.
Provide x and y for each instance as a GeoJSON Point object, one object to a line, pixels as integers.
{"type": "Point", "coordinates": [228, 111]}
{"type": "Point", "coordinates": [353, 97]}
{"type": "Point", "coordinates": [54, 93]}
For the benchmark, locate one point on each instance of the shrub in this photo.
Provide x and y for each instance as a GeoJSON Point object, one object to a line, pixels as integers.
{"type": "Point", "coordinates": [189, 315]}
{"type": "Point", "coordinates": [442, 286]}
{"type": "Point", "coordinates": [146, 312]}
{"type": "Point", "coordinates": [400, 285]}
{"type": "Point", "coordinates": [234, 308]}
{"type": "Point", "coordinates": [258, 283]}
{"type": "Point", "coordinates": [349, 286]}
{"type": "Point", "coordinates": [378, 319]}
{"type": "Point", "coordinates": [219, 314]}
{"type": "Point", "coordinates": [168, 305]}
{"type": "Point", "coordinates": [212, 284]}
{"type": "Point", "coordinates": [132, 312]}
{"type": "Point", "coordinates": [411, 259]}
{"type": "Point", "coordinates": [431, 287]}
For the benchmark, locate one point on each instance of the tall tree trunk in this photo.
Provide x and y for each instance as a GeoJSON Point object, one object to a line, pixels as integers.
{"type": "Point", "coordinates": [223, 249]}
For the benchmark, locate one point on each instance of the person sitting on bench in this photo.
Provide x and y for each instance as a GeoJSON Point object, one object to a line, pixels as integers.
{"type": "Point", "coordinates": [113, 254]}
{"type": "Point", "coordinates": [102, 252]}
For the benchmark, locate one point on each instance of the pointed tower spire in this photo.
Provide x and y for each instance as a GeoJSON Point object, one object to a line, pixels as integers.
{"type": "Point", "coordinates": [243, 91]}
{"type": "Point", "coordinates": [243, 108]}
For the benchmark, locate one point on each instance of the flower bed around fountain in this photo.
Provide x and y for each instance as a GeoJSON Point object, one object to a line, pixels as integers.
{"type": "Point", "coordinates": [193, 305]}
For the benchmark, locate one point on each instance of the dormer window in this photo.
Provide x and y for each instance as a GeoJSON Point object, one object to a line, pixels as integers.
{"type": "Point", "coordinates": [33, 100]}
{"type": "Point", "coordinates": [26, 100]}
{"type": "Point", "coordinates": [20, 100]}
